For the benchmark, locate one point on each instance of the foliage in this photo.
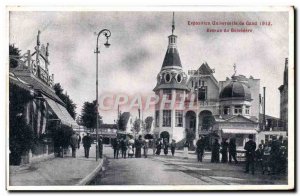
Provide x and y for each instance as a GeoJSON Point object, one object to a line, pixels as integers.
{"type": "Point", "coordinates": [137, 125]}
{"type": "Point", "coordinates": [190, 134]}
{"type": "Point", "coordinates": [15, 53]}
{"type": "Point", "coordinates": [122, 123]}
{"type": "Point", "coordinates": [21, 137]}
{"type": "Point", "coordinates": [88, 115]}
{"type": "Point", "coordinates": [148, 123]}
{"type": "Point", "coordinates": [62, 136]}
{"type": "Point", "coordinates": [70, 105]}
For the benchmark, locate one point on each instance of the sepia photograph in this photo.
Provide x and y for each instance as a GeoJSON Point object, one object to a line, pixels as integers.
{"type": "Point", "coordinates": [161, 98]}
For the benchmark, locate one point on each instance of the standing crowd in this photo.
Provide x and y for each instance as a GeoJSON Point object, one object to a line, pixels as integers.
{"type": "Point", "coordinates": [135, 148]}
{"type": "Point", "coordinates": [269, 157]}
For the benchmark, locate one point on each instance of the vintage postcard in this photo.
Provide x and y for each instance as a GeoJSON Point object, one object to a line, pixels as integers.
{"type": "Point", "coordinates": [161, 98]}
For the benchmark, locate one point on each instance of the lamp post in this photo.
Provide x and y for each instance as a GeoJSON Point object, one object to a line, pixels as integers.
{"type": "Point", "coordinates": [107, 34]}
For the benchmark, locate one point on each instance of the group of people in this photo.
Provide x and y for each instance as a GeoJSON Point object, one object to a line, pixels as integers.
{"type": "Point", "coordinates": [164, 144]}
{"type": "Point", "coordinates": [130, 147]}
{"type": "Point", "coordinates": [271, 157]}
{"type": "Point", "coordinates": [134, 148]}
{"type": "Point", "coordinates": [87, 141]}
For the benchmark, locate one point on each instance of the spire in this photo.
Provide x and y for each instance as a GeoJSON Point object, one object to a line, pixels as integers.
{"type": "Point", "coordinates": [172, 56]}
{"type": "Point", "coordinates": [173, 24]}
{"type": "Point", "coordinates": [285, 75]}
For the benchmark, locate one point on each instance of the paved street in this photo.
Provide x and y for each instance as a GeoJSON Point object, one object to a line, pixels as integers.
{"type": "Point", "coordinates": [168, 170]}
{"type": "Point", "coordinates": [56, 171]}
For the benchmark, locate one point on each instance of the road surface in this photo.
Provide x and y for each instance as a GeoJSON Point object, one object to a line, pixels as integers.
{"type": "Point", "coordinates": [168, 170]}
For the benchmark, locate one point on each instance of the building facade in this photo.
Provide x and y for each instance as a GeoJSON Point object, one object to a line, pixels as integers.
{"type": "Point", "coordinates": [45, 113]}
{"type": "Point", "coordinates": [201, 105]}
{"type": "Point", "coordinates": [283, 89]}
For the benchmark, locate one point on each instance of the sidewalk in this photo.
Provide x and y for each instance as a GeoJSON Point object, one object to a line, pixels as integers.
{"type": "Point", "coordinates": [56, 171]}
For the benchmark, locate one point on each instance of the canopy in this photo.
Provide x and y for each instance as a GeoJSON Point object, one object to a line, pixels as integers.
{"type": "Point", "coordinates": [61, 112]}
{"type": "Point", "coordinates": [239, 131]}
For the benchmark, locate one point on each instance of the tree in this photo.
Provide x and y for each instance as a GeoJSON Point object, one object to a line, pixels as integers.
{"type": "Point", "coordinates": [70, 105]}
{"type": "Point", "coordinates": [148, 123]}
{"type": "Point", "coordinates": [88, 115]}
{"type": "Point", "coordinates": [122, 121]}
{"type": "Point", "coordinates": [137, 125]}
{"type": "Point", "coordinates": [14, 56]}
{"type": "Point", "coordinates": [21, 137]}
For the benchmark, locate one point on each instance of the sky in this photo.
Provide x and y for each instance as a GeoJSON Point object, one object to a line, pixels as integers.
{"type": "Point", "coordinates": [138, 45]}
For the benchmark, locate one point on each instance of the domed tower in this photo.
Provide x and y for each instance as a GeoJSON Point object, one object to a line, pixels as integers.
{"type": "Point", "coordinates": [171, 88]}
{"type": "Point", "coordinates": [235, 98]}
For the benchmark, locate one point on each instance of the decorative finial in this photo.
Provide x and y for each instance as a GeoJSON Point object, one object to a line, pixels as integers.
{"type": "Point", "coordinates": [47, 51]}
{"type": "Point", "coordinates": [38, 38]}
{"type": "Point", "coordinates": [234, 69]}
{"type": "Point", "coordinates": [173, 24]}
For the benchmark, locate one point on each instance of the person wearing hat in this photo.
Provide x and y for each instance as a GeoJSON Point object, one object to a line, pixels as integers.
{"type": "Point", "coordinates": [200, 148]}
{"type": "Point", "coordinates": [250, 148]}
{"type": "Point", "coordinates": [215, 152]}
{"type": "Point", "coordinates": [87, 142]}
{"type": "Point", "coordinates": [74, 144]}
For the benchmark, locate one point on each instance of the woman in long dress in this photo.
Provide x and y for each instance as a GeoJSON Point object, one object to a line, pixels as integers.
{"type": "Point", "coordinates": [166, 146]}
{"type": "Point", "coordinates": [158, 147]}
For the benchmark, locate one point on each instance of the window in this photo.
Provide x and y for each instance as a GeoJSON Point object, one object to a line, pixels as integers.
{"type": "Point", "coordinates": [226, 110]}
{"type": "Point", "coordinates": [192, 83]}
{"type": "Point", "coordinates": [202, 94]}
{"type": "Point", "coordinates": [157, 118]}
{"type": "Point", "coordinates": [178, 118]}
{"type": "Point", "coordinates": [168, 77]}
{"type": "Point", "coordinates": [166, 118]}
{"type": "Point", "coordinates": [247, 110]}
{"type": "Point", "coordinates": [168, 92]}
{"type": "Point", "coordinates": [179, 78]}
{"type": "Point", "coordinates": [238, 109]}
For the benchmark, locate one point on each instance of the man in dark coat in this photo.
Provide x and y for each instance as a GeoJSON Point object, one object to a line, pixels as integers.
{"type": "Point", "coordinates": [87, 142]}
{"type": "Point", "coordinates": [200, 148]}
{"type": "Point", "coordinates": [124, 147]}
{"type": "Point", "coordinates": [100, 147]}
{"type": "Point", "coordinates": [250, 147]}
{"type": "Point", "coordinates": [138, 147]}
{"type": "Point", "coordinates": [259, 157]}
{"type": "Point", "coordinates": [166, 146]}
{"type": "Point", "coordinates": [79, 140]}
{"type": "Point", "coordinates": [215, 152]}
{"type": "Point", "coordinates": [232, 150]}
{"type": "Point", "coordinates": [116, 147]}
{"type": "Point", "coordinates": [173, 146]}
{"type": "Point", "coordinates": [74, 144]}
{"type": "Point", "coordinates": [224, 150]}
{"type": "Point", "coordinates": [275, 155]}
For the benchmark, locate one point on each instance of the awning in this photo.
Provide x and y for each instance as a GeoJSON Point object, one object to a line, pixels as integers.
{"type": "Point", "coordinates": [61, 112]}
{"type": "Point", "coordinates": [239, 131]}
{"type": "Point", "coordinates": [13, 79]}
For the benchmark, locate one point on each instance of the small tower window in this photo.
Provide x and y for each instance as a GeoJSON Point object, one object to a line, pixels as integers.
{"type": "Point", "coordinates": [226, 110]}
{"type": "Point", "coordinates": [247, 110]}
{"type": "Point", "coordinates": [179, 78]}
{"type": "Point", "coordinates": [168, 77]}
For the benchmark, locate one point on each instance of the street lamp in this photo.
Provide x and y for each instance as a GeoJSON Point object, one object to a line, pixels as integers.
{"type": "Point", "coordinates": [107, 34]}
